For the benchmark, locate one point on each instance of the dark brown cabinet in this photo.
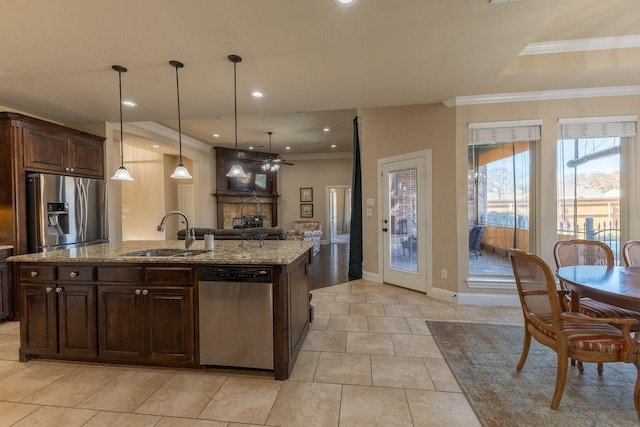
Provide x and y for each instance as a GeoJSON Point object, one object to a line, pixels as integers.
{"type": "Point", "coordinates": [5, 300]}
{"type": "Point", "coordinates": [150, 321]}
{"type": "Point", "coordinates": [57, 317]}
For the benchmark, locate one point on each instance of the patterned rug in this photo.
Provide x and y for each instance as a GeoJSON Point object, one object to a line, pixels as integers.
{"type": "Point", "coordinates": [483, 358]}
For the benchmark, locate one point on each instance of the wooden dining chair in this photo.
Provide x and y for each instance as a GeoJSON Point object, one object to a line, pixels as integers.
{"type": "Point", "coordinates": [570, 335]}
{"type": "Point", "coordinates": [590, 252]}
{"type": "Point", "coordinates": [631, 253]}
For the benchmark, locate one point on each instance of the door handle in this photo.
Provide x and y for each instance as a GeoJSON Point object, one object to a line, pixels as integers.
{"type": "Point", "coordinates": [385, 229]}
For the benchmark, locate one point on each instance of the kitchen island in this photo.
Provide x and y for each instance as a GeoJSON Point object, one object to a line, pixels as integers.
{"type": "Point", "coordinates": [138, 301]}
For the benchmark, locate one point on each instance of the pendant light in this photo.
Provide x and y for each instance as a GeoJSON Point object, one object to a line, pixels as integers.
{"type": "Point", "coordinates": [236, 170]}
{"type": "Point", "coordinates": [122, 174]}
{"type": "Point", "coordinates": [181, 171]}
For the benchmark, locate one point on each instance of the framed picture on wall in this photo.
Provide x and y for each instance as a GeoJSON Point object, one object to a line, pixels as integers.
{"type": "Point", "coordinates": [306, 194]}
{"type": "Point", "coordinates": [306, 210]}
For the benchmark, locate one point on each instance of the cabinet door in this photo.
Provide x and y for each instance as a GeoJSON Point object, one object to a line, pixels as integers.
{"type": "Point", "coordinates": [46, 152]}
{"type": "Point", "coordinates": [38, 328]}
{"type": "Point", "coordinates": [121, 322]}
{"type": "Point", "coordinates": [4, 291]}
{"type": "Point", "coordinates": [77, 321]}
{"type": "Point", "coordinates": [86, 158]}
{"type": "Point", "coordinates": [170, 331]}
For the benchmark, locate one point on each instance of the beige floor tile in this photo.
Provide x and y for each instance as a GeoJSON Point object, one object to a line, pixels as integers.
{"type": "Point", "coordinates": [305, 366]}
{"type": "Point", "coordinates": [478, 314]}
{"type": "Point", "coordinates": [510, 314]}
{"type": "Point", "coordinates": [348, 323]}
{"type": "Point", "coordinates": [189, 422]}
{"type": "Point", "coordinates": [325, 341]}
{"type": "Point", "coordinates": [36, 375]}
{"type": "Point", "coordinates": [400, 372]}
{"type": "Point", "coordinates": [306, 404]}
{"type": "Point", "coordinates": [369, 288]}
{"type": "Point", "coordinates": [323, 296]}
{"type": "Point", "coordinates": [10, 367]}
{"type": "Point", "coordinates": [396, 290]}
{"type": "Point", "coordinates": [356, 298]}
{"type": "Point", "coordinates": [414, 298]}
{"type": "Point", "coordinates": [402, 310]}
{"type": "Point", "coordinates": [10, 328]}
{"type": "Point", "coordinates": [438, 312]}
{"type": "Point", "coordinates": [433, 408]}
{"type": "Point", "coordinates": [320, 321]}
{"type": "Point", "coordinates": [243, 400]}
{"type": "Point", "coordinates": [332, 308]}
{"type": "Point", "coordinates": [441, 375]}
{"type": "Point", "coordinates": [374, 406]}
{"type": "Point", "coordinates": [9, 347]}
{"type": "Point", "coordinates": [366, 310]}
{"type": "Point", "coordinates": [397, 325]}
{"type": "Point", "coordinates": [418, 326]}
{"type": "Point", "coordinates": [342, 287]}
{"type": "Point", "coordinates": [415, 346]}
{"type": "Point", "coordinates": [369, 343]}
{"type": "Point", "coordinates": [74, 387]}
{"type": "Point", "coordinates": [127, 391]}
{"type": "Point", "coordinates": [184, 395]}
{"type": "Point", "coordinates": [344, 368]}
{"type": "Point", "coordinates": [382, 299]}
{"type": "Point", "coordinates": [11, 412]}
{"type": "Point", "coordinates": [53, 416]}
{"type": "Point", "coordinates": [115, 419]}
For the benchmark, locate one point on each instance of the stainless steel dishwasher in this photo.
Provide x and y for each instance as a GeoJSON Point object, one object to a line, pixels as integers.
{"type": "Point", "coordinates": [236, 316]}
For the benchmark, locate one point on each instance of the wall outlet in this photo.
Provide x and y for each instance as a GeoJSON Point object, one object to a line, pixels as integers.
{"type": "Point", "coordinates": [443, 273]}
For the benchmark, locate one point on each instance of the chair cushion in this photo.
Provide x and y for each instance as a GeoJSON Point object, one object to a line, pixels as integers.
{"type": "Point", "coordinates": [600, 337]}
{"type": "Point", "coordinates": [594, 308]}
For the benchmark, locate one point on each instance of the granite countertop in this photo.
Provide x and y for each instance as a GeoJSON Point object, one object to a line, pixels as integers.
{"type": "Point", "coordinates": [272, 252]}
{"type": "Point", "coordinates": [3, 247]}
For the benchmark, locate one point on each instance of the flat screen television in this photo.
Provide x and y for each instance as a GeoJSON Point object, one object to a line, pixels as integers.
{"type": "Point", "coordinates": [254, 181]}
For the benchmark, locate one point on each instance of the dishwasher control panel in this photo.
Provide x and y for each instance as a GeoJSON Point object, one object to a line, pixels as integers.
{"type": "Point", "coordinates": [235, 274]}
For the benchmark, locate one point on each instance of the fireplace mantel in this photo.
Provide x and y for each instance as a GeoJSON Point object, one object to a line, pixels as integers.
{"type": "Point", "coordinates": [231, 200]}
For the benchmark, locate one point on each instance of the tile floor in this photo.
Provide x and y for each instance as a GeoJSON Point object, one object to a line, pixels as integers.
{"type": "Point", "coordinates": [368, 360]}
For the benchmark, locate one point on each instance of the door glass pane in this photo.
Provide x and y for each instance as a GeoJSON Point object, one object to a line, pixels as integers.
{"type": "Point", "coordinates": [499, 205]}
{"type": "Point", "coordinates": [589, 190]}
{"type": "Point", "coordinates": [403, 227]}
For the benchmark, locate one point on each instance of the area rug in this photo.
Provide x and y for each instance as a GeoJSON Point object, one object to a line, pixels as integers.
{"type": "Point", "coordinates": [483, 358]}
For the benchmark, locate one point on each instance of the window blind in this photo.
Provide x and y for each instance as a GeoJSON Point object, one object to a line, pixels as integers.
{"type": "Point", "coordinates": [597, 127]}
{"type": "Point", "coordinates": [502, 132]}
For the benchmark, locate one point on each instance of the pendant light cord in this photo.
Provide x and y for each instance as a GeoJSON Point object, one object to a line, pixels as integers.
{"type": "Point", "coordinates": [179, 121]}
{"type": "Point", "coordinates": [121, 132]}
{"type": "Point", "coordinates": [235, 105]}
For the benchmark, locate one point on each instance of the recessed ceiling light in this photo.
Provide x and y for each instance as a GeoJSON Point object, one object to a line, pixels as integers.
{"type": "Point", "coordinates": [129, 103]}
{"type": "Point", "coordinates": [216, 135]}
{"type": "Point", "coordinates": [333, 145]}
{"type": "Point", "coordinates": [251, 147]}
{"type": "Point", "coordinates": [257, 94]}
{"type": "Point", "coordinates": [287, 148]}
{"type": "Point", "coordinates": [299, 113]}
{"type": "Point", "coordinates": [155, 146]}
{"type": "Point", "coordinates": [345, 3]}
{"type": "Point", "coordinates": [326, 129]}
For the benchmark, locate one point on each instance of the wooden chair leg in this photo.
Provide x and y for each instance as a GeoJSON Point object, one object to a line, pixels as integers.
{"type": "Point", "coordinates": [561, 378]}
{"type": "Point", "coordinates": [600, 367]}
{"type": "Point", "coordinates": [580, 368]}
{"type": "Point", "coordinates": [525, 349]}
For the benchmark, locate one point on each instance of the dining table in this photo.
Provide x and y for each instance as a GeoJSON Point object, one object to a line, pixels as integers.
{"type": "Point", "coordinates": [617, 285]}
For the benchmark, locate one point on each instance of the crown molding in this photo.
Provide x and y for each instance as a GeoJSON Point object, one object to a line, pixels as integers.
{"type": "Point", "coordinates": [543, 95]}
{"type": "Point", "coordinates": [581, 45]}
{"type": "Point", "coordinates": [172, 134]}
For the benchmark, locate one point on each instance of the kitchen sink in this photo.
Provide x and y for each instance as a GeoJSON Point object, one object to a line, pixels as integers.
{"type": "Point", "coordinates": [167, 252]}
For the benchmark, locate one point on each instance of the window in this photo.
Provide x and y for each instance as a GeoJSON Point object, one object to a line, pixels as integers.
{"type": "Point", "coordinates": [500, 185]}
{"type": "Point", "coordinates": [589, 179]}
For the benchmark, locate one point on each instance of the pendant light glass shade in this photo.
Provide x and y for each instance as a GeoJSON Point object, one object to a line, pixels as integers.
{"type": "Point", "coordinates": [122, 174]}
{"type": "Point", "coordinates": [181, 171]}
{"type": "Point", "coordinates": [236, 170]}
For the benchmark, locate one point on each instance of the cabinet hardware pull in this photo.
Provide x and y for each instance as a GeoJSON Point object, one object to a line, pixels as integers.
{"type": "Point", "coordinates": [145, 292]}
{"type": "Point", "coordinates": [34, 273]}
{"type": "Point", "coordinates": [49, 288]}
{"type": "Point", "coordinates": [73, 274]}
{"type": "Point", "coordinates": [58, 290]}
{"type": "Point", "coordinates": [138, 291]}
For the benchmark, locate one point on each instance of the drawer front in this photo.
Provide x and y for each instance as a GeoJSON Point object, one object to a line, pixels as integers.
{"type": "Point", "coordinates": [121, 274]}
{"type": "Point", "coordinates": [169, 275]}
{"type": "Point", "coordinates": [37, 273]}
{"type": "Point", "coordinates": [76, 273]}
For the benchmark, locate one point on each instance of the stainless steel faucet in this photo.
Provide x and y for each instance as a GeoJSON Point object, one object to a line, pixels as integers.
{"type": "Point", "coordinates": [189, 237]}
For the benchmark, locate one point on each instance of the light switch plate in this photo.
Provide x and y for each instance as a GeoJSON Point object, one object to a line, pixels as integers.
{"type": "Point", "coordinates": [369, 212]}
{"type": "Point", "coordinates": [371, 202]}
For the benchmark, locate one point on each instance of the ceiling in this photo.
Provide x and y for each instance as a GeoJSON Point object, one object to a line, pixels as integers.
{"type": "Point", "coordinates": [309, 57]}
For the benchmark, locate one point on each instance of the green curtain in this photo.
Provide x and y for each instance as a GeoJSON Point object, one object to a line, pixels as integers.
{"type": "Point", "coordinates": [355, 246]}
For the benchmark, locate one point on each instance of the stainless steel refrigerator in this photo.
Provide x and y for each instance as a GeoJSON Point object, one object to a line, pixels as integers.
{"type": "Point", "coordinates": [65, 212]}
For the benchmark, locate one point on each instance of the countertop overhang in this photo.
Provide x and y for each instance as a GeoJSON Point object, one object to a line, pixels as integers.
{"type": "Point", "coordinates": [272, 252]}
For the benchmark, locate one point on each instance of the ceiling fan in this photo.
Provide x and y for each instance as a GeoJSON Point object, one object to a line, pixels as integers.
{"type": "Point", "coordinates": [272, 163]}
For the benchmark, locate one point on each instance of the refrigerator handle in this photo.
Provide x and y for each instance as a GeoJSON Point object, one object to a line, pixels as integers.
{"type": "Point", "coordinates": [81, 209]}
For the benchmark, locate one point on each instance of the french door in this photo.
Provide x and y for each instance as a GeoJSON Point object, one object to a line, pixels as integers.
{"type": "Point", "coordinates": [405, 226]}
